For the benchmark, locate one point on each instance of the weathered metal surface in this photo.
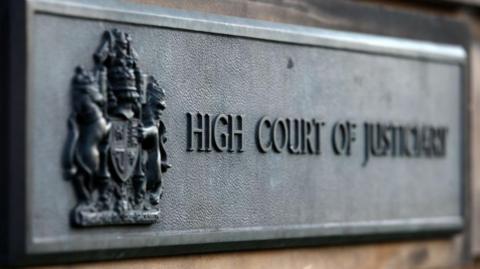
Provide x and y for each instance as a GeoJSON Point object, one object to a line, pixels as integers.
{"type": "Point", "coordinates": [232, 186]}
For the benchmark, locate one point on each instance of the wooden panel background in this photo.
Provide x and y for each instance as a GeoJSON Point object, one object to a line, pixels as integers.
{"type": "Point", "coordinates": [418, 254]}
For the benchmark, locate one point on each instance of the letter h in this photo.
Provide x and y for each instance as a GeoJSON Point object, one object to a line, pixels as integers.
{"type": "Point", "coordinates": [236, 132]}
{"type": "Point", "coordinates": [200, 130]}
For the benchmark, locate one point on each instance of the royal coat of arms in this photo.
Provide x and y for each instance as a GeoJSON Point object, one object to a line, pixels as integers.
{"type": "Point", "coordinates": [115, 154]}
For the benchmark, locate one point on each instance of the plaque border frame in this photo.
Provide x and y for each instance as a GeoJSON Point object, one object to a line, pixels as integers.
{"type": "Point", "coordinates": [22, 250]}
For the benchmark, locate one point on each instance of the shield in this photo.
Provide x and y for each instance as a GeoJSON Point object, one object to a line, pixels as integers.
{"type": "Point", "coordinates": [124, 147]}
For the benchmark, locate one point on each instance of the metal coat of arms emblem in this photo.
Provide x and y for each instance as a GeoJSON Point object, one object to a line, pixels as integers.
{"type": "Point", "coordinates": [115, 154]}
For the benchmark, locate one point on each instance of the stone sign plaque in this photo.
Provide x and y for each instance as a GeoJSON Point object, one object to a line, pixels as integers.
{"type": "Point", "coordinates": [153, 132]}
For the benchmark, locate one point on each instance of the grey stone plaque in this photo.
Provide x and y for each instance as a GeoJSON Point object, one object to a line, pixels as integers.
{"type": "Point", "coordinates": [276, 134]}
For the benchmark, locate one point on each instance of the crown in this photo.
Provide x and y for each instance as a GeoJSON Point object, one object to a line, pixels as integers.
{"type": "Point", "coordinates": [123, 82]}
{"type": "Point", "coordinates": [121, 37]}
{"type": "Point", "coordinates": [122, 78]}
